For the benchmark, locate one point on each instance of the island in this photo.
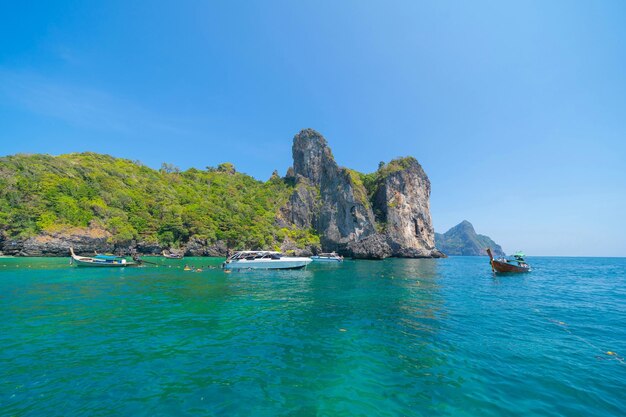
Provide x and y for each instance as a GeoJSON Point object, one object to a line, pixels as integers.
{"type": "Point", "coordinates": [96, 202]}
{"type": "Point", "coordinates": [463, 240]}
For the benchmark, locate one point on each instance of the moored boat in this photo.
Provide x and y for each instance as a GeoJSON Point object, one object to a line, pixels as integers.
{"type": "Point", "coordinates": [503, 265]}
{"type": "Point", "coordinates": [327, 257]}
{"type": "Point", "coordinates": [100, 260]}
{"type": "Point", "coordinates": [264, 260]}
{"type": "Point", "coordinates": [172, 255]}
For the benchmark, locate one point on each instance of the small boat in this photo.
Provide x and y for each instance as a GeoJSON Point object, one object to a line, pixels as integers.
{"type": "Point", "coordinates": [327, 257]}
{"type": "Point", "coordinates": [171, 255]}
{"type": "Point", "coordinates": [517, 264]}
{"type": "Point", "coordinates": [100, 260]}
{"type": "Point", "coordinates": [264, 260]}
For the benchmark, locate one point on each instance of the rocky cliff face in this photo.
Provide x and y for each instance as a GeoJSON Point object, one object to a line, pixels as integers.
{"type": "Point", "coordinates": [327, 198]}
{"type": "Point", "coordinates": [463, 240]}
{"type": "Point", "coordinates": [312, 158]}
{"type": "Point", "coordinates": [334, 201]}
{"type": "Point", "coordinates": [304, 205]}
{"type": "Point", "coordinates": [345, 214]}
{"type": "Point", "coordinates": [402, 202]}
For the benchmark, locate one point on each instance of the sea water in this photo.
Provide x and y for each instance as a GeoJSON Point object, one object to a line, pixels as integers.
{"type": "Point", "coordinates": [415, 337]}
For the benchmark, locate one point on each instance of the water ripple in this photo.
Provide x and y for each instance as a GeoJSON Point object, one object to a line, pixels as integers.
{"type": "Point", "coordinates": [396, 337]}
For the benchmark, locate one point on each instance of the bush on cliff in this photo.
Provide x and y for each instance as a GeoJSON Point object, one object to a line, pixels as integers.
{"type": "Point", "coordinates": [41, 193]}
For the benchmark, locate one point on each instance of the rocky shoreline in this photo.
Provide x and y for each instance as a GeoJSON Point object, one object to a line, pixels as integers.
{"type": "Point", "coordinates": [87, 241]}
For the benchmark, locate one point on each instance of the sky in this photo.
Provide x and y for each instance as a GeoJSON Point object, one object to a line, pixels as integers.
{"type": "Point", "coordinates": [516, 110]}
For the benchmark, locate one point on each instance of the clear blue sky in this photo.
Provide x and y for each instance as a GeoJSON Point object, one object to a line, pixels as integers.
{"type": "Point", "coordinates": [516, 110]}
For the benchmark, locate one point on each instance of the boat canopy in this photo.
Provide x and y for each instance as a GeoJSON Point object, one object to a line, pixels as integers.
{"type": "Point", "coordinates": [254, 254]}
{"type": "Point", "coordinates": [107, 257]}
{"type": "Point", "coordinates": [255, 251]}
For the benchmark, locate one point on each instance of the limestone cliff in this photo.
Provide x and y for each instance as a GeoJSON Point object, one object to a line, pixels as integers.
{"type": "Point", "coordinates": [335, 202]}
{"type": "Point", "coordinates": [340, 213]}
{"type": "Point", "coordinates": [402, 202]}
{"type": "Point", "coordinates": [304, 205]}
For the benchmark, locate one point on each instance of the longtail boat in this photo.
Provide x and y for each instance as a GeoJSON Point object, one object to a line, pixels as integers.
{"type": "Point", "coordinates": [100, 260]}
{"type": "Point", "coordinates": [503, 265]}
{"type": "Point", "coordinates": [172, 255]}
{"type": "Point", "coordinates": [327, 257]}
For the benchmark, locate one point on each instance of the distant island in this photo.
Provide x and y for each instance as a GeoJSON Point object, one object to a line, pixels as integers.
{"type": "Point", "coordinates": [96, 202]}
{"type": "Point", "coordinates": [462, 239]}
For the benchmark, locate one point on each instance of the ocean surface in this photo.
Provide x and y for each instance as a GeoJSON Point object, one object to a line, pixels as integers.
{"type": "Point", "coordinates": [398, 337]}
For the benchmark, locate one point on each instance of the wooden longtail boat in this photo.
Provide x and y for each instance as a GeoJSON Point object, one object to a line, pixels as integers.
{"type": "Point", "coordinates": [100, 260]}
{"type": "Point", "coordinates": [172, 255]}
{"type": "Point", "coordinates": [504, 265]}
{"type": "Point", "coordinates": [327, 257]}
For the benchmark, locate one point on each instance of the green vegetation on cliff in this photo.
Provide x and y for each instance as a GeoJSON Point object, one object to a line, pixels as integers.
{"type": "Point", "coordinates": [358, 187]}
{"type": "Point", "coordinates": [372, 181]}
{"type": "Point", "coordinates": [40, 193]}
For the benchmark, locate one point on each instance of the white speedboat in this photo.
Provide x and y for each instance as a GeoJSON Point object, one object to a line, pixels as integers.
{"type": "Point", "coordinates": [327, 257]}
{"type": "Point", "coordinates": [264, 260]}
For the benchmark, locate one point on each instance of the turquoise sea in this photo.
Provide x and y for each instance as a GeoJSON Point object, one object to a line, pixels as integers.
{"type": "Point", "coordinates": [398, 337]}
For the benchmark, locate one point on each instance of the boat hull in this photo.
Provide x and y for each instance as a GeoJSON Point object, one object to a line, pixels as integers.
{"type": "Point", "coordinates": [283, 263]}
{"type": "Point", "coordinates": [101, 261]}
{"type": "Point", "coordinates": [504, 267]}
{"type": "Point", "coordinates": [102, 264]}
{"type": "Point", "coordinates": [318, 259]}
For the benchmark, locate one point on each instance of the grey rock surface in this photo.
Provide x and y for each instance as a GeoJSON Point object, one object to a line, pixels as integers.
{"type": "Point", "coordinates": [200, 247]}
{"type": "Point", "coordinates": [58, 243]}
{"type": "Point", "coordinates": [303, 209]}
{"type": "Point", "coordinates": [334, 201]}
{"type": "Point", "coordinates": [372, 247]}
{"type": "Point", "coordinates": [341, 214]}
{"type": "Point", "coordinates": [402, 202]}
